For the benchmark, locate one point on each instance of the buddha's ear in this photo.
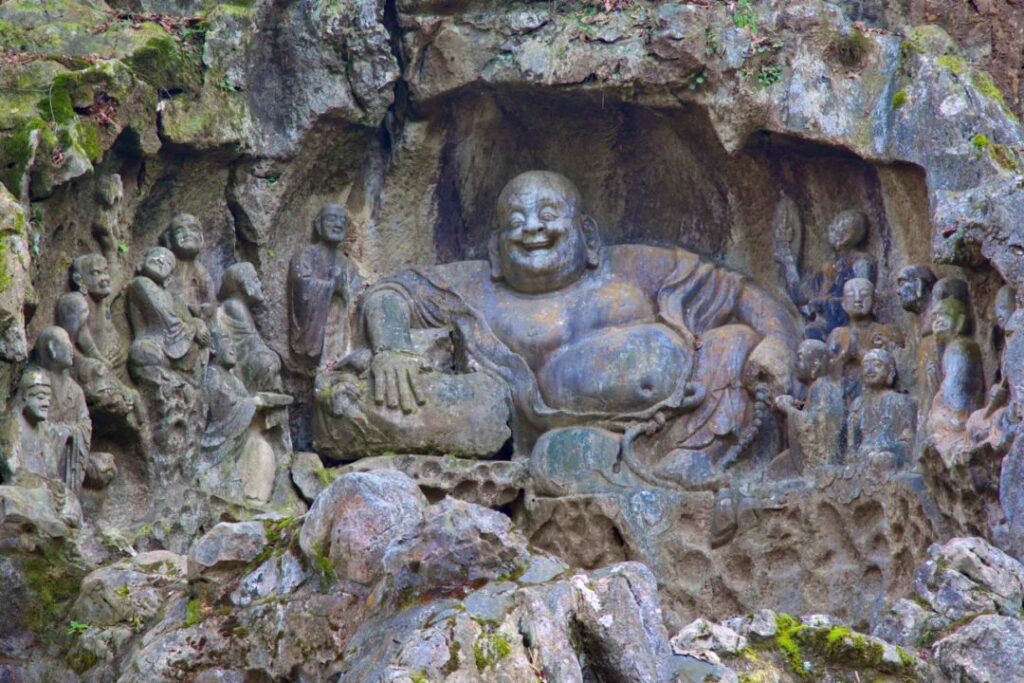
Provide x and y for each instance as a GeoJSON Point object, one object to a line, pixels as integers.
{"type": "Point", "coordinates": [592, 238]}
{"type": "Point", "coordinates": [494, 257]}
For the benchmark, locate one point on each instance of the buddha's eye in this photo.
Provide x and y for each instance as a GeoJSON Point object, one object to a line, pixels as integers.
{"type": "Point", "coordinates": [548, 215]}
{"type": "Point", "coordinates": [1017, 250]}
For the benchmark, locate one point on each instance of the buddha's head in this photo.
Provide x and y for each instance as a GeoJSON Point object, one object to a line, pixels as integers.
{"type": "Point", "coordinates": [54, 349]}
{"type": "Point", "coordinates": [36, 395]}
{"type": "Point", "coordinates": [157, 264]}
{"type": "Point", "coordinates": [90, 274]}
{"type": "Point", "coordinates": [914, 285]}
{"type": "Point", "coordinates": [848, 229]}
{"type": "Point", "coordinates": [542, 241]}
{"type": "Point", "coordinates": [878, 369]}
{"type": "Point", "coordinates": [331, 223]}
{"type": "Point", "coordinates": [858, 298]}
{"type": "Point", "coordinates": [241, 280]}
{"type": "Point", "coordinates": [184, 236]}
{"type": "Point", "coordinates": [811, 360]}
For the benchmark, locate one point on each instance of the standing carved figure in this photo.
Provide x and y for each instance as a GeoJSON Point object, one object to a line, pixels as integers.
{"type": "Point", "coordinates": [68, 416]}
{"type": "Point", "coordinates": [914, 286]}
{"type": "Point", "coordinates": [259, 366]}
{"type": "Point", "coordinates": [962, 387]}
{"type": "Point", "coordinates": [819, 295]}
{"type": "Point", "coordinates": [191, 281]}
{"type": "Point", "coordinates": [323, 288]}
{"type": "Point", "coordinates": [815, 430]}
{"type": "Point", "coordinates": [992, 427]}
{"type": "Point", "coordinates": [849, 343]}
{"type": "Point", "coordinates": [882, 421]}
{"type": "Point", "coordinates": [106, 225]}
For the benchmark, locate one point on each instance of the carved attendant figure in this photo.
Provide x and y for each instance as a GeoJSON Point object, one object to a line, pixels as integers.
{"type": "Point", "coordinates": [882, 421]}
{"type": "Point", "coordinates": [31, 458]}
{"type": "Point", "coordinates": [27, 439]}
{"type": "Point", "coordinates": [68, 415]}
{"type": "Point", "coordinates": [815, 430]}
{"type": "Point", "coordinates": [820, 294]}
{"type": "Point", "coordinates": [258, 366]}
{"type": "Point", "coordinates": [323, 287]}
{"type": "Point", "coordinates": [962, 388]}
{"type": "Point", "coordinates": [849, 343]}
{"type": "Point", "coordinates": [163, 327]}
{"type": "Point", "coordinates": [101, 350]}
{"type": "Point", "coordinates": [191, 281]}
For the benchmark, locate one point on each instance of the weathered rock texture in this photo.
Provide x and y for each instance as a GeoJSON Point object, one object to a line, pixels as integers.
{"type": "Point", "coordinates": [683, 124]}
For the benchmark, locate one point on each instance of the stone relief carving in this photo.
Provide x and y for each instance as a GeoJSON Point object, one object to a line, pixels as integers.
{"type": "Point", "coordinates": [191, 282]}
{"type": "Point", "coordinates": [962, 385]}
{"type": "Point", "coordinates": [259, 367]}
{"type": "Point", "coordinates": [882, 421]}
{"type": "Point", "coordinates": [815, 425]}
{"type": "Point", "coordinates": [643, 373]}
{"type": "Point", "coordinates": [323, 288]}
{"type": "Point", "coordinates": [848, 343]}
{"type": "Point", "coordinates": [819, 295]}
{"type": "Point", "coordinates": [101, 349]}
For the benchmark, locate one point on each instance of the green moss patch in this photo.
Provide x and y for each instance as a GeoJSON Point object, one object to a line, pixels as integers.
{"type": "Point", "coordinates": [490, 647]}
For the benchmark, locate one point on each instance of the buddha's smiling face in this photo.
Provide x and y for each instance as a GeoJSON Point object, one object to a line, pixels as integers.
{"type": "Point", "coordinates": [540, 240]}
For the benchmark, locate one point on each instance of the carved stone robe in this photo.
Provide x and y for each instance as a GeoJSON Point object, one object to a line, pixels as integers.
{"type": "Point", "coordinates": [259, 366]}
{"type": "Point", "coordinates": [72, 428]}
{"type": "Point", "coordinates": [157, 316]}
{"type": "Point", "coordinates": [321, 321]}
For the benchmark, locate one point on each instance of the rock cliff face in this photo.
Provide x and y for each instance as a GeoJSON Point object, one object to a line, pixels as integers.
{"type": "Point", "coordinates": [185, 528]}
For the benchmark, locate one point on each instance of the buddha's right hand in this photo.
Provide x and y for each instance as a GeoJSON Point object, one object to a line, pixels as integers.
{"type": "Point", "coordinates": [396, 379]}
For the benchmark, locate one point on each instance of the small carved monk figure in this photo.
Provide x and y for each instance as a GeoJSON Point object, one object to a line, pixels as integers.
{"type": "Point", "coordinates": [819, 295]}
{"type": "Point", "coordinates": [882, 421]}
{"type": "Point", "coordinates": [101, 350]}
{"type": "Point", "coordinates": [258, 366]}
{"type": "Point", "coordinates": [27, 439]}
{"type": "Point", "coordinates": [914, 288]}
{"type": "Point", "coordinates": [164, 329]}
{"type": "Point", "coordinates": [106, 225]}
{"type": "Point", "coordinates": [191, 281]}
{"type": "Point", "coordinates": [231, 408]}
{"type": "Point", "coordinates": [323, 287]}
{"type": "Point", "coordinates": [29, 457]}
{"type": "Point", "coordinates": [815, 430]}
{"type": "Point", "coordinates": [239, 460]}
{"type": "Point", "coordinates": [961, 390]}
{"type": "Point", "coordinates": [68, 416]}
{"type": "Point", "coordinates": [849, 343]}
{"type": "Point", "coordinates": [993, 426]}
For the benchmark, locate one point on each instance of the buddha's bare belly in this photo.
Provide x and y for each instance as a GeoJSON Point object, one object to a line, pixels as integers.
{"type": "Point", "coordinates": [618, 369]}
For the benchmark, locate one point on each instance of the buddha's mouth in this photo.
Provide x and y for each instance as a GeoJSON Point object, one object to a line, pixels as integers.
{"type": "Point", "coordinates": [539, 245]}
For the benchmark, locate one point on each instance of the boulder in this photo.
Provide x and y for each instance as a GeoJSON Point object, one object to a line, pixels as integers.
{"type": "Point", "coordinates": [354, 522]}
{"type": "Point", "coordinates": [226, 546]}
{"type": "Point", "coordinates": [990, 649]}
{"type": "Point", "coordinates": [969, 576]}
{"type": "Point", "coordinates": [458, 545]}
